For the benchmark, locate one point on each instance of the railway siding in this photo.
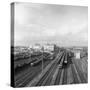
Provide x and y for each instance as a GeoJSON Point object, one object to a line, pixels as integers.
{"type": "Point", "coordinates": [37, 79]}
{"type": "Point", "coordinates": [61, 78]}
{"type": "Point", "coordinates": [69, 75]}
{"type": "Point", "coordinates": [53, 74]}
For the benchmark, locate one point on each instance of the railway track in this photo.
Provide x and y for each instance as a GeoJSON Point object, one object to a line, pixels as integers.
{"type": "Point", "coordinates": [29, 75]}
{"type": "Point", "coordinates": [22, 73]}
{"type": "Point", "coordinates": [44, 74]}
{"type": "Point", "coordinates": [43, 79]}
{"type": "Point", "coordinates": [53, 74]}
{"type": "Point", "coordinates": [25, 78]}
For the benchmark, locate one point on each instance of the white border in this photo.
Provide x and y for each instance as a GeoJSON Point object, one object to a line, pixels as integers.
{"type": "Point", "coordinates": [5, 43]}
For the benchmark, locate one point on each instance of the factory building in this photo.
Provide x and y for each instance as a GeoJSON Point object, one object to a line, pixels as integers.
{"type": "Point", "coordinates": [77, 52]}
{"type": "Point", "coordinates": [77, 55]}
{"type": "Point", "coordinates": [37, 47]}
{"type": "Point", "coordinates": [48, 47]}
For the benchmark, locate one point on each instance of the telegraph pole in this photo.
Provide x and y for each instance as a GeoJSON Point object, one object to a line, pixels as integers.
{"type": "Point", "coordinates": [42, 58]}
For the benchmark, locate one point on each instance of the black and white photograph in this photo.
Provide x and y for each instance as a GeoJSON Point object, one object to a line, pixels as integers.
{"type": "Point", "coordinates": [49, 44]}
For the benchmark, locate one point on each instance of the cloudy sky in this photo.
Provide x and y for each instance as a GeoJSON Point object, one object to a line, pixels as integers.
{"type": "Point", "coordinates": [41, 23]}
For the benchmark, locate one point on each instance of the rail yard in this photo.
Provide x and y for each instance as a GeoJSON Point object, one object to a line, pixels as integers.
{"type": "Point", "coordinates": [45, 69]}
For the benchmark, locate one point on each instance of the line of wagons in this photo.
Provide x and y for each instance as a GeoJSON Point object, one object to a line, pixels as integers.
{"type": "Point", "coordinates": [66, 59]}
{"type": "Point", "coordinates": [36, 58]}
{"type": "Point", "coordinates": [33, 59]}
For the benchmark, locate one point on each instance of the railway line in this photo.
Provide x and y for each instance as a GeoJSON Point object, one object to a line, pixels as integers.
{"type": "Point", "coordinates": [29, 75]}
{"type": "Point", "coordinates": [60, 71]}
{"type": "Point", "coordinates": [29, 67]}
{"type": "Point", "coordinates": [46, 78]}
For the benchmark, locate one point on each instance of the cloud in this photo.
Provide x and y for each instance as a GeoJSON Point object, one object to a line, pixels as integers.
{"type": "Point", "coordinates": [57, 23]}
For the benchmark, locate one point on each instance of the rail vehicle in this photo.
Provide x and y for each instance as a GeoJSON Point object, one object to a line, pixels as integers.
{"type": "Point", "coordinates": [44, 58]}
{"type": "Point", "coordinates": [61, 61]}
{"type": "Point", "coordinates": [23, 58]}
{"type": "Point", "coordinates": [36, 54]}
{"type": "Point", "coordinates": [65, 62]}
{"type": "Point", "coordinates": [69, 57]}
{"type": "Point", "coordinates": [66, 59]}
{"type": "Point", "coordinates": [50, 57]}
{"type": "Point", "coordinates": [35, 62]}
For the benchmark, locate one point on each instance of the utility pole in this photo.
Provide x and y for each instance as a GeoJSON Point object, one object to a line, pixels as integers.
{"type": "Point", "coordinates": [42, 58]}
